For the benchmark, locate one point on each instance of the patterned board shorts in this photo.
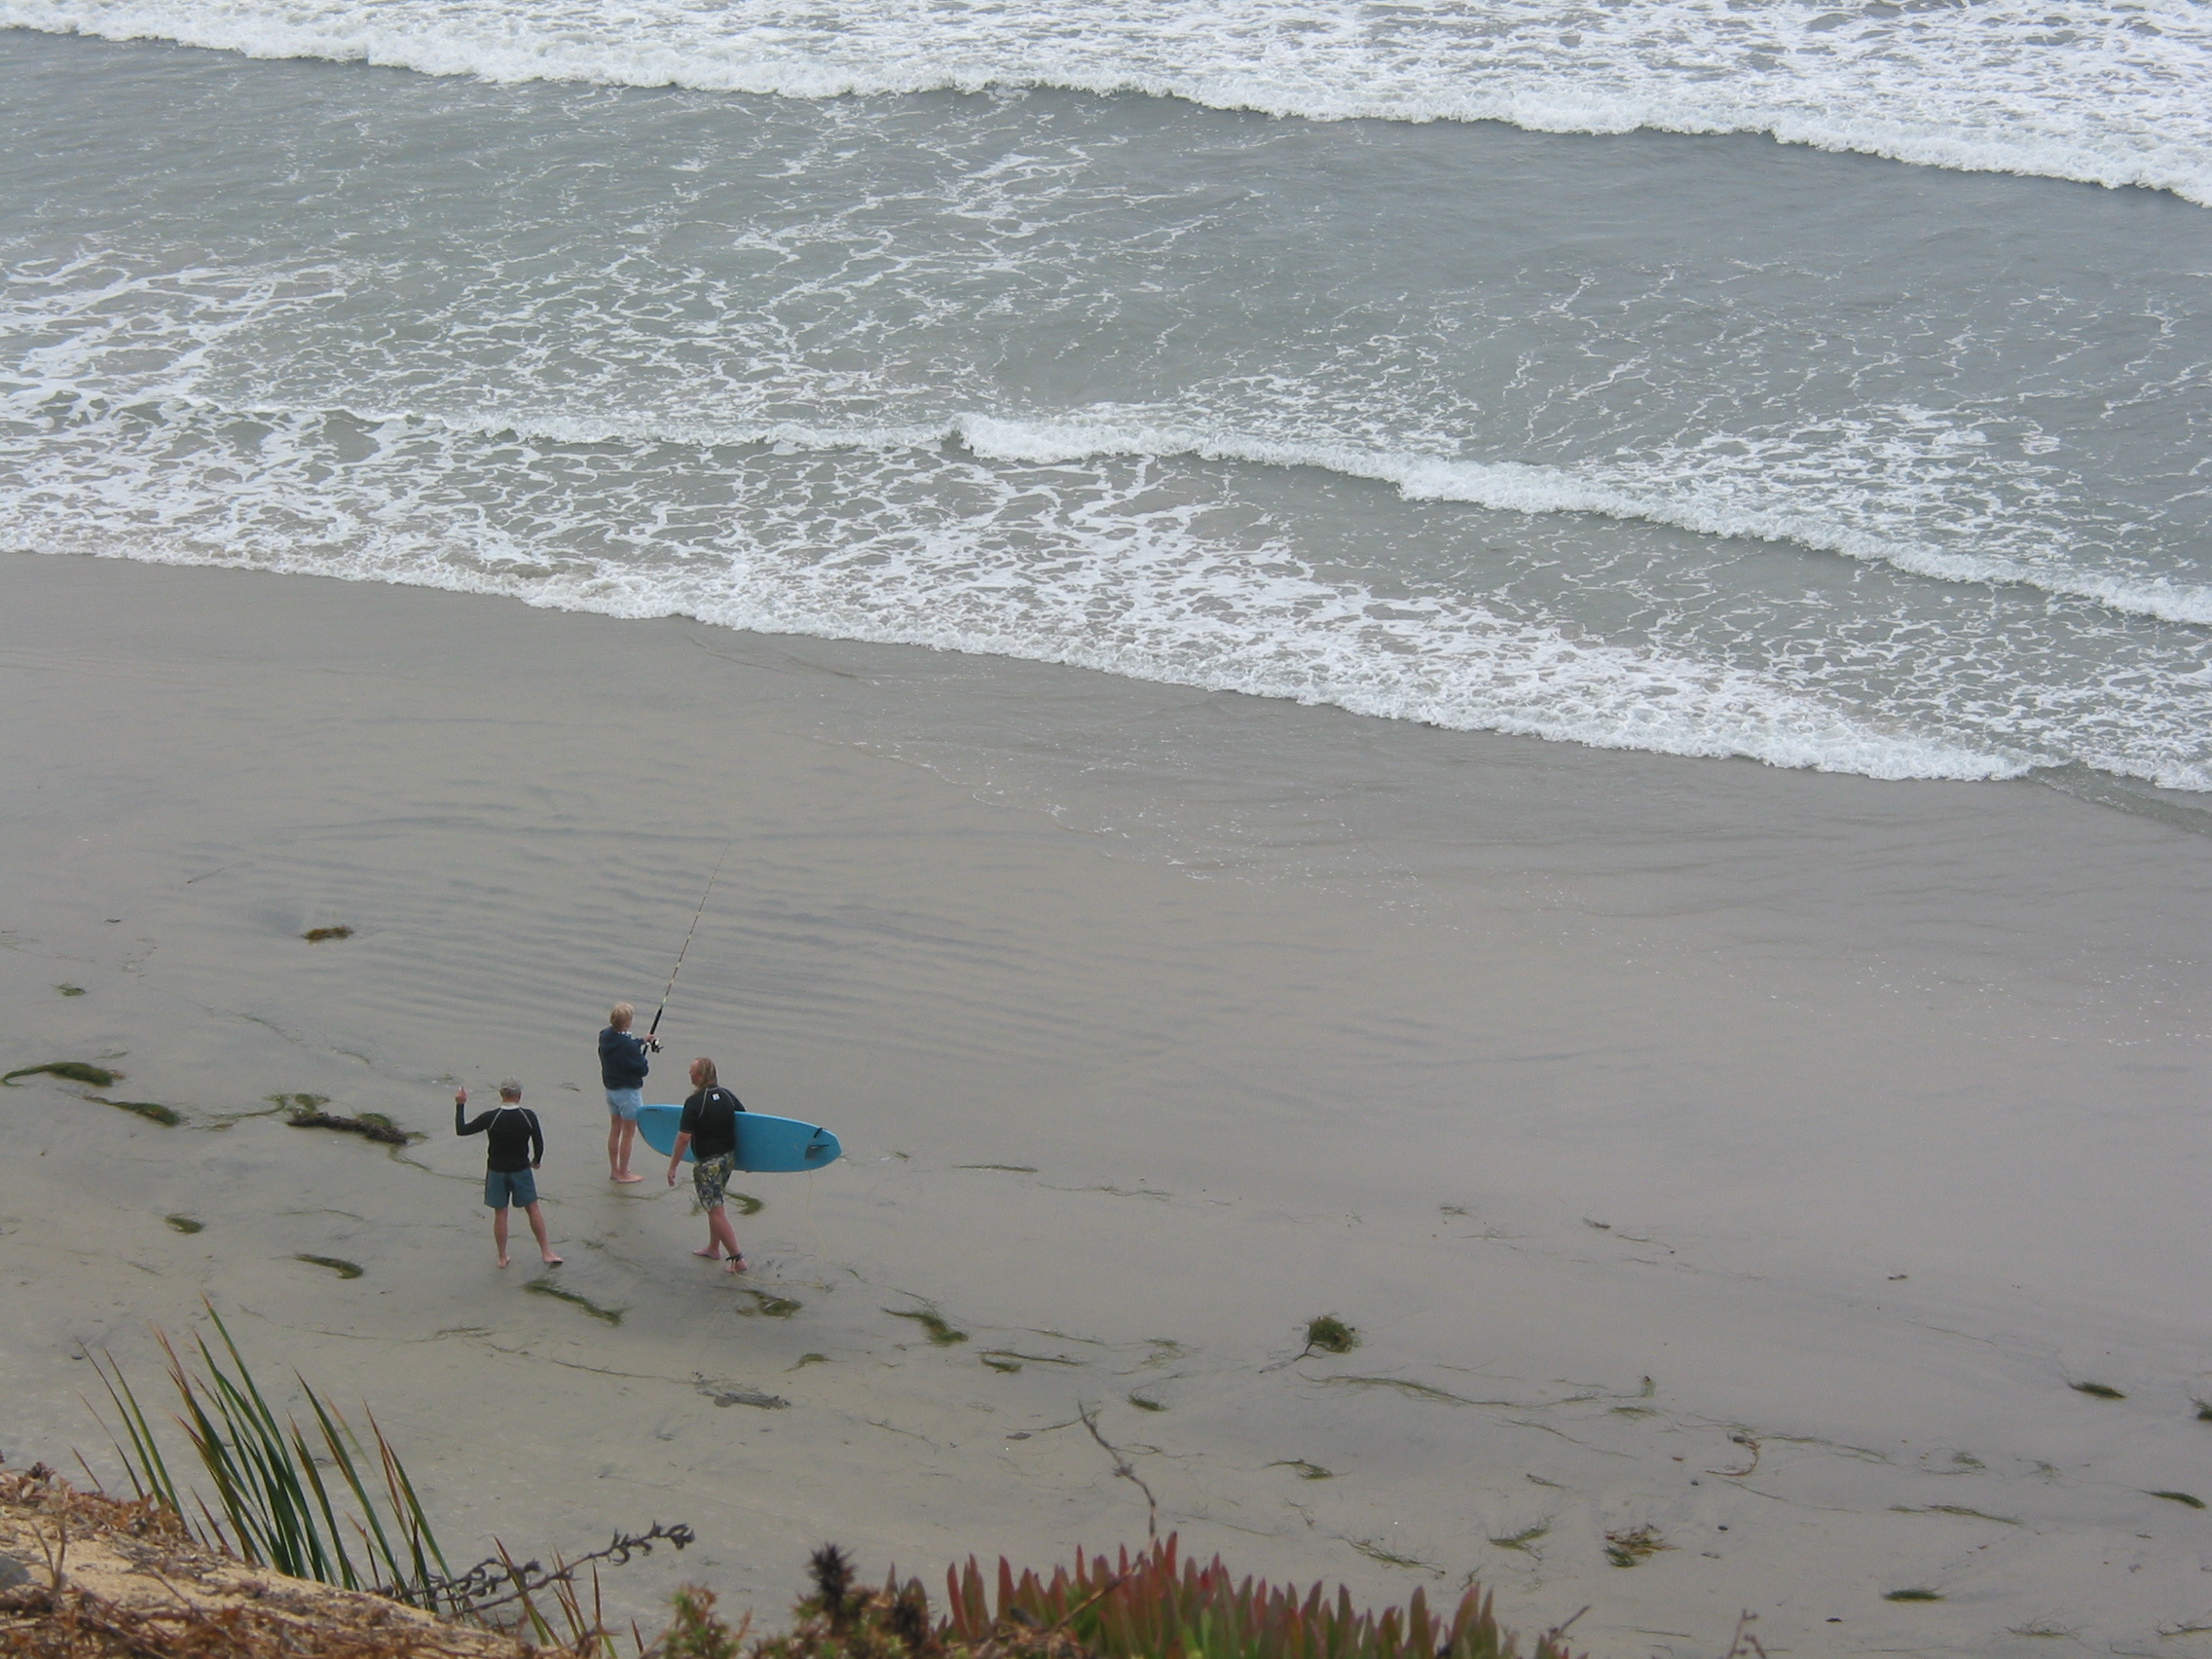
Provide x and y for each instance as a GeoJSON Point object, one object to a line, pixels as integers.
{"type": "Point", "coordinates": [710, 1175]}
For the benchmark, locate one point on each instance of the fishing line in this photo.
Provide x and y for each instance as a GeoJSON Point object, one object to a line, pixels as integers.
{"type": "Point", "coordinates": [670, 989]}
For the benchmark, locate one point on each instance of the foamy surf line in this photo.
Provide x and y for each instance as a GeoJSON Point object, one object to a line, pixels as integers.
{"type": "Point", "coordinates": [1719, 510]}
{"type": "Point", "coordinates": [1502, 486]}
{"type": "Point", "coordinates": [2077, 93]}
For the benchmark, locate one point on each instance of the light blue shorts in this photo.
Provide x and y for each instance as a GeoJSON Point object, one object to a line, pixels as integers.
{"type": "Point", "coordinates": [626, 1103]}
{"type": "Point", "coordinates": [502, 1187]}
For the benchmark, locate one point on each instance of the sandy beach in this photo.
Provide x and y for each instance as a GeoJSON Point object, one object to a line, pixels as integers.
{"type": "Point", "coordinates": [1754, 1162]}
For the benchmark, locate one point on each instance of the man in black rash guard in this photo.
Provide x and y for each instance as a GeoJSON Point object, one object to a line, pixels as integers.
{"type": "Point", "coordinates": [514, 1146]}
{"type": "Point", "coordinates": [709, 1128]}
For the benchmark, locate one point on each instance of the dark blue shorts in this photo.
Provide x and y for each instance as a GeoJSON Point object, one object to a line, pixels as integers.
{"type": "Point", "coordinates": [502, 1187]}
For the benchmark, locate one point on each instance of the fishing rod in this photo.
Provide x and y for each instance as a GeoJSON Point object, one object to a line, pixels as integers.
{"type": "Point", "coordinates": [679, 968]}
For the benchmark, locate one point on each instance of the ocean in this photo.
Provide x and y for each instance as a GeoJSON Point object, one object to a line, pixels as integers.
{"type": "Point", "coordinates": [1829, 386]}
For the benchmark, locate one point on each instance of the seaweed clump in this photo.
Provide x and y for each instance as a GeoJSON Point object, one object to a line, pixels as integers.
{"type": "Point", "coordinates": [1330, 1334]}
{"type": "Point", "coordinates": [560, 1293]}
{"type": "Point", "coordinates": [98, 1077]}
{"type": "Point", "coordinates": [768, 1303]}
{"type": "Point", "coordinates": [73, 1071]}
{"type": "Point", "coordinates": [151, 1110]}
{"type": "Point", "coordinates": [940, 1331]}
{"type": "Point", "coordinates": [316, 935]}
{"type": "Point", "coordinates": [1634, 1545]}
{"type": "Point", "coordinates": [369, 1126]}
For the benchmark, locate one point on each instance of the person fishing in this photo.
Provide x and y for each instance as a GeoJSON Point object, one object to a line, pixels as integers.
{"type": "Point", "coordinates": [513, 1146]}
{"type": "Point", "coordinates": [622, 1071]}
{"type": "Point", "coordinates": [708, 1128]}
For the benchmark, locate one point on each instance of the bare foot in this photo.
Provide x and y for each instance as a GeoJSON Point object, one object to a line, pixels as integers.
{"type": "Point", "coordinates": [552, 1261]}
{"type": "Point", "coordinates": [502, 1261]}
{"type": "Point", "coordinates": [710, 1252]}
{"type": "Point", "coordinates": [627, 1176]}
{"type": "Point", "coordinates": [737, 1264]}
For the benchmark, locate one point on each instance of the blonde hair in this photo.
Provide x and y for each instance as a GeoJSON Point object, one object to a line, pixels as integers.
{"type": "Point", "coordinates": [620, 1016]}
{"type": "Point", "coordinates": [706, 1070]}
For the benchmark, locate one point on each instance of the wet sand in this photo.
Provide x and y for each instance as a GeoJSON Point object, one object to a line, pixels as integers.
{"type": "Point", "coordinates": [1750, 1161]}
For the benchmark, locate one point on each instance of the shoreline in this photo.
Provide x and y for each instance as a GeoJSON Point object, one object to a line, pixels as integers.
{"type": "Point", "coordinates": [1550, 1070]}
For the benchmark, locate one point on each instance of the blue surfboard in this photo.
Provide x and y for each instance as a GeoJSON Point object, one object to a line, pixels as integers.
{"type": "Point", "coordinates": [765, 1145]}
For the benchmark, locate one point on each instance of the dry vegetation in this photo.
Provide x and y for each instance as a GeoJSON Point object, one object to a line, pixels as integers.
{"type": "Point", "coordinates": [106, 1580]}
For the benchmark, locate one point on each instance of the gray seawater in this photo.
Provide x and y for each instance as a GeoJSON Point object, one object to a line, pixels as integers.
{"type": "Point", "coordinates": [1701, 444]}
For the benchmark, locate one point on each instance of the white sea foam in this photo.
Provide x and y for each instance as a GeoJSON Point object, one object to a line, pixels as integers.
{"type": "Point", "coordinates": [2104, 93]}
{"type": "Point", "coordinates": [955, 554]}
{"type": "Point", "coordinates": [1909, 492]}
{"type": "Point", "coordinates": [1716, 507]}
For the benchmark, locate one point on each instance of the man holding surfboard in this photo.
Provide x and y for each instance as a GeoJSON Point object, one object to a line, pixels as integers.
{"type": "Point", "coordinates": [707, 1130]}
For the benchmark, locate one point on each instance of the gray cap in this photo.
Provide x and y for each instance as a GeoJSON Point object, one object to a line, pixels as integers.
{"type": "Point", "coordinates": [511, 1086]}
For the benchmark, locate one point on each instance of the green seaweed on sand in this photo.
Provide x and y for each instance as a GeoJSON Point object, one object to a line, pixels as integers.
{"type": "Point", "coordinates": [1419, 1390]}
{"type": "Point", "coordinates": [2097, 1391]}
{"type": "Point", "coordinates": [739, 1394]}
{"type": "Point", "coordinates": [70, 990]}
{"type": "Point", "coordinates": [1000, 1362]}
{"type": "Point", "coordinates": [1521, 1539]}
{"type": "Point", "coordinates": [561, 1293]}
{"type": "Point", "coordinates": [369, 1126]}
{"type": "Point", "coordinates": [1632, 1545]}
{"type": "Point", "coordinates": [71, 1071]}
{"type": "Point", "coordinates": [2180, 1497]}
{"type": "Point", "coordinates": [1143, 1404]}
{"type": "Point", "coordinates": [1306, 1471]}
{"type": "Point", "coordinates": [747, 1204]}
{"type": "Point", "coordinates": [768, 1303]}
{"type": "Point", "coordinates": [1006, 1168]}
{"type": "Point", "coordinates": [336, 1264]}
{"type": "Point", "coordinates": [316, 935]}
{"type": "Point", "coordinates": [1330, 1334]}
{"type": "Point", "coordinates": [1019, 1358]}
{"type": "Point", "coordinates": [1912, 1596]}
{"type": "Point", "coordinates": [1375, 1551]}
{"type": "Point", "coordinates": [151, 1110]}
{"type": "Point", "coordinates": [812, 1359]}
{"type": "Point", "coordinates": [1958, 1509]}
{"type": "Point", "coordinates": [931, 1320]}
{"type": "Point", "coordinates": [185, 1224]}
{"type": "Point", "coordinates": [2204, 1411]}
{"type": "Point", "coordinates": [296, 1102]}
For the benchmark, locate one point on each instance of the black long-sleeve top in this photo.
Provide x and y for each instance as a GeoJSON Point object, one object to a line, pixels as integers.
{"type": "Point", "coordinates": [513, 1139]}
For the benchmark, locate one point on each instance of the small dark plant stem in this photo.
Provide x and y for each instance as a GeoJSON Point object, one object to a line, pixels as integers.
{"type": "Point", "coordinates": [473, 1589]}
{"type": "Point", "coordinates": [1122, 1467]}
{"type": "Point", "coordinates": [1089, 1601]}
